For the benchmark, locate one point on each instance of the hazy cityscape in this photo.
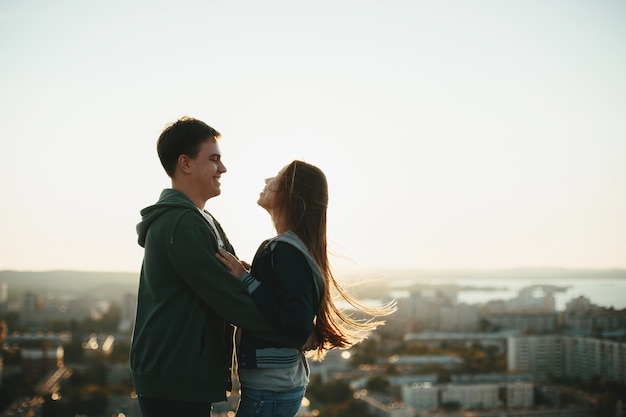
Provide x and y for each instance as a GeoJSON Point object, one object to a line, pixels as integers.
{"type": "Point", "coordinates": [474, 154]}
{"type": "Point", "coordinates": [453, 348]}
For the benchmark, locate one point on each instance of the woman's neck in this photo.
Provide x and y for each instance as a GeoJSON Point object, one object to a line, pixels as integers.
{"type": "Point", "coordinates": [279, 225]}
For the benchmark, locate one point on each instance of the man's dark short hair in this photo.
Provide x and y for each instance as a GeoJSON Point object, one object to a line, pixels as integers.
{"type": "Point", "coordinates": [183, 137]}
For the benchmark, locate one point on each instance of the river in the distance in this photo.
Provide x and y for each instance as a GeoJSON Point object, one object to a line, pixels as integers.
{"type": "Point", "coordinates": [602, 292]}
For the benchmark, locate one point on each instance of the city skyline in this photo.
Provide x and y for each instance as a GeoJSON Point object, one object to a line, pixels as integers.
{"type": "Point", "coordinates": [454, 135]}
{"type": "Point", "coordinates": [472, 287]}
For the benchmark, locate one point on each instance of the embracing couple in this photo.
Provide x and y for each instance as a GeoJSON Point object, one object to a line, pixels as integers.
{"type": "Point", "coordinates": [197, 302]}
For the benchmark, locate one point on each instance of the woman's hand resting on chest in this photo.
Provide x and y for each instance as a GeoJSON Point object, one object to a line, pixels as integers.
{"type": "Point", "coordinates": [230, 262]}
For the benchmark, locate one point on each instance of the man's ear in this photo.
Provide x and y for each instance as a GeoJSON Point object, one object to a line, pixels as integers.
{"type": "Point", "coordinates": [184, 164]}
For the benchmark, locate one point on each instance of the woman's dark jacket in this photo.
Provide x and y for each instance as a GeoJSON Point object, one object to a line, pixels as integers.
{"type": "Point", "coordinates": [286, 285]}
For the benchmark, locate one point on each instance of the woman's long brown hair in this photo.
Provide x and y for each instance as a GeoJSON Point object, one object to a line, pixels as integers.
{"type": "Point", "coordinates": [300, 204]}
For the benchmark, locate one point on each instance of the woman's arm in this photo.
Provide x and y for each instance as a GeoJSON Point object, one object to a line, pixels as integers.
{"type": "Point", "coordinates": [290, 301]}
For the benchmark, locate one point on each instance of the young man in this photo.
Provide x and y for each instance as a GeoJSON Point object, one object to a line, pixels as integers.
{"type": "Point", "coordinates": [181, 353]}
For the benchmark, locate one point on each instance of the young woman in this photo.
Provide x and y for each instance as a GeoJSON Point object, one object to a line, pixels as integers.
{"type": "Point", "coordinates": [291, 282]}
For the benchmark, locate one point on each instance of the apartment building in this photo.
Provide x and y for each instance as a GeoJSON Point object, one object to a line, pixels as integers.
{"type": "Point", "coordinates": [567, 356]}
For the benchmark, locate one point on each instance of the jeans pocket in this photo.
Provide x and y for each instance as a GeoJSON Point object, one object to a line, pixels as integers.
{"type": "Point", "coordinates": [259, 403]}
{"type": "Point", "coordinates": [286, 408]}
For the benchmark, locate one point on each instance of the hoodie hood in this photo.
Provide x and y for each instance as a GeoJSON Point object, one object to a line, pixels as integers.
{"type": "Point", "coordinates": [169, 199]}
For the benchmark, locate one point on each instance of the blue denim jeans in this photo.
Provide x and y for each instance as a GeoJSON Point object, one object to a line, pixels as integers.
{"type": "Point", "coordinates": [260, 403]}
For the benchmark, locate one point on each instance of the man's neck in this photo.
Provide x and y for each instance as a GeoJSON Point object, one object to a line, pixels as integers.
{"type": "Point", "coordinates": [197, 201]}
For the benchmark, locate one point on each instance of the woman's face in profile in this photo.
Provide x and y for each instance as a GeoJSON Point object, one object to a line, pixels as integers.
{"type": "Point", "coordinates": [266, 197]}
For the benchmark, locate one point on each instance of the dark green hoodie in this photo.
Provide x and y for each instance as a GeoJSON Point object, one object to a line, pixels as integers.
{"type": "Point", "coordinates": [182, 340]}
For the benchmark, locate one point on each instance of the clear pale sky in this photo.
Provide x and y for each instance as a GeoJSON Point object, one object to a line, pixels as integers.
{"type": "Point", "coordinates": [486, 134]}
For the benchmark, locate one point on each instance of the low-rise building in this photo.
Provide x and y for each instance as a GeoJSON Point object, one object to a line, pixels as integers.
{"type": "Point", "coordinates": [428, 396]}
